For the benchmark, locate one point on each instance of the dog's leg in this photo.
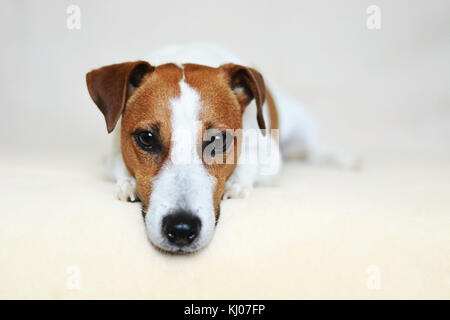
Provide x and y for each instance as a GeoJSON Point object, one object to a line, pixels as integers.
{"type": "Point", "coordinates": [300, 137]}
{"type": "Point", "coordinates": [257, 165]}
{"type": "Point", "coordinates": [117, 171]}
{"type": "Point", "coordinates": [241, 181]}
{"type": "Point", "coordinates": [306, 146]}
{"type": "Point", "coordinates": [343, 160]}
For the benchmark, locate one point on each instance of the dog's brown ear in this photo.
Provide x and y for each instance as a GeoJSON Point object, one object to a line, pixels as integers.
{"type": "Point", "coordinates": [248, 84]}
{"type": "Point", "coordinates": [111, 85]}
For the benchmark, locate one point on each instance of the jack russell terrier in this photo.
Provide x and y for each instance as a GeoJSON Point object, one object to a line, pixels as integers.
{"type": "Point", "coordinates": [193, 124]}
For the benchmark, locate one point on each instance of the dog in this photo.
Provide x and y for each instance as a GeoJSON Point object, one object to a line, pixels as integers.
{"type": "Point", "coordinates": [192, 124]}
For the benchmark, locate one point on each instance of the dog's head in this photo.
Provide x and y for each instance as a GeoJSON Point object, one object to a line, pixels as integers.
{"type": "Point", "coordinates": [176, 139]}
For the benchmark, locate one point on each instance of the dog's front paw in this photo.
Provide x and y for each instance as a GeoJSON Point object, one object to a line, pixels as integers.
{"type": "Point", "coordinates": [236, 190]}
{"type": "Point", "coordinates": [126, 190]}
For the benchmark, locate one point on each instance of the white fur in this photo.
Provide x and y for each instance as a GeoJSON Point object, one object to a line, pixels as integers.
{"type": "Point", "coordinates": [183, 183]}
{"type": "Point", "coordinates": [204, 54]}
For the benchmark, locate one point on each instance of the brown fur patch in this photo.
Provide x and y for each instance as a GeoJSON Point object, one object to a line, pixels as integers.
{"type": "Point", "coordinates": [273, 114]}
{"type": "Point", "coordinates": [148, 108]}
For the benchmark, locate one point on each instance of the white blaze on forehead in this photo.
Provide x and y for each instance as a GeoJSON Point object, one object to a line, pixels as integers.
{"type": "Point", "coordinates": [185, 126]}
{"type": "Point", "coordinates": [183, 182]}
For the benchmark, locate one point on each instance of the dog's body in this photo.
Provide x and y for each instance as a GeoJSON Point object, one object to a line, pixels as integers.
{"type": "Point", "coordinates": [182, 95]}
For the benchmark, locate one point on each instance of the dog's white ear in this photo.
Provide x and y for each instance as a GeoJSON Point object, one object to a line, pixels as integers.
{"type": "Point", "coordinates": [110, 86]}
{"type": "Point", "coordinates": [247, 84]}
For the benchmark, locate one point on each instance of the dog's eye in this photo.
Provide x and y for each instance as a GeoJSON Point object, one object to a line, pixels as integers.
{"type": "Point", "coordinates": [218, 142]}
{"type": "Point", "coordinates": [146, 140]}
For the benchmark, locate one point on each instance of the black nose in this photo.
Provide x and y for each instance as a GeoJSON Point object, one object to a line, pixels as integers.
{"type": "Point", "coordinates": [181, 228]}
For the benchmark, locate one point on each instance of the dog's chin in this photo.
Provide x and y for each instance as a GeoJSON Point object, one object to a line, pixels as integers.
{"type": "Point", "coordinates": [174, 250]}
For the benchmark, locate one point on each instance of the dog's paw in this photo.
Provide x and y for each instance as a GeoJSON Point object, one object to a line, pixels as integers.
{"type": "Point", "coordinates": [236, 190]}
{"type": "Point", "coordinates": [126, 190]}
